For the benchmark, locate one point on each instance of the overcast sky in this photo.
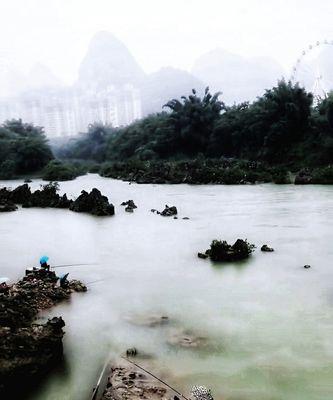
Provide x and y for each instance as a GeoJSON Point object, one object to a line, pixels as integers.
{"type": "Point", "coordinates": [160, 33]}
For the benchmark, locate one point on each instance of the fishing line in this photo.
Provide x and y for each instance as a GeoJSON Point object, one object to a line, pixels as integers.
{"type": "Point", "coordinates": [154, 376]}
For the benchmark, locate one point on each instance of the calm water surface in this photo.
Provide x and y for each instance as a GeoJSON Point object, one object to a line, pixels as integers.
{"type": "Point", "coordinates": [268, 321]}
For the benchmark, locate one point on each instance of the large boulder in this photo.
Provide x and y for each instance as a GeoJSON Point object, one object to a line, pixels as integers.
{"type": "Point", "coordinates": [94, 203]}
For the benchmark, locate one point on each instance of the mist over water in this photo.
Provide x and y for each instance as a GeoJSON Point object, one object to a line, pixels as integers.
{"type": "Point", "coordinates": [268, 321]}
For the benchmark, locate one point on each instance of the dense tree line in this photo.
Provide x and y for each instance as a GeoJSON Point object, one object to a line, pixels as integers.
{"type": "Point", "coordinates": [23, 149]}
{"type": "Point", "coordinates": [281, 127]}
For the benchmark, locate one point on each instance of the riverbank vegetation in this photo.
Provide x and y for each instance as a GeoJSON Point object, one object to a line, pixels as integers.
{"type": "Point", "coordinates": [279, 132]}
{"type": "Point", "coordinates": [196, 139]}
{"type": "Point", "coordinates": [23, 149]}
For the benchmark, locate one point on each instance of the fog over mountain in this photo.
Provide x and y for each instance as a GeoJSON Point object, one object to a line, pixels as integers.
{"type": "Point", "coordinates": [108, 61]}
{"type": "Point", "coordinates": [238, 78]}
{"type": "Point", "coordinates": [167, 83]}
{"type": "Point", "coordinates": [110, 65]}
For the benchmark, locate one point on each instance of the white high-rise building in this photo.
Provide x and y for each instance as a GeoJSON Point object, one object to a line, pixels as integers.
{"type": "Point", "coordinates": [66, 113]}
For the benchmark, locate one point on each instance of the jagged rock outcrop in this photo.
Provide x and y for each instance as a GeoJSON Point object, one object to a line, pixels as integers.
{"type": "Point", "coordinates": [130, 205]}
{"type": "Point", "coordinates": [94, 203]}
{"type": "Point", "coordinates": [169, 211]}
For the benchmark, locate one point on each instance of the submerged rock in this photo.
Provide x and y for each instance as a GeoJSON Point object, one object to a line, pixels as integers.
{"type": "Point", "coordinates": [150, 320]}
{"type": "Point", "coordinates": [266, 248]}
{"type": "Point", "coordinates": [94, 203]}
{"type": "Point", "coordinates": [222, 251]}
{"type": "Point", "coordinates": [187, 339]}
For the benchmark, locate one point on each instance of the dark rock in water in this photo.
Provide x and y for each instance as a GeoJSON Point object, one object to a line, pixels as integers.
{"type": "Point", "coordinates": [175, 217]}
{"type": "Point", "coordinates": [93, 202]}
{"type": "Point", "coordinates": [303, 177]}
{"type": "Point", "coordinates": [202, 255]}
{"type": "Point", "coordinates": [129, 209]}
{"type": "Point", "coordinates": [7, 206]}
{"type": "Point", "coordinates": [169, 211]}
{"type": "Point", "coordinates": [222, 251]}
{"type": "Point", "coordinates": [186, 218]}
{"type": "Point", "coordinates": [307, 266]}
{"type": "Point", "coordinates": [77, 286]}
{"type": "Point", "coordinates": [64, 202]}
{"type": "Point", "coordinates": [266, 248]}
{"type": "Point", "coordinates": [132, 352]}
{"type": "Point", "coordinates": [129, 203]}
{"type": "Point", "coordinates": [21, 194]}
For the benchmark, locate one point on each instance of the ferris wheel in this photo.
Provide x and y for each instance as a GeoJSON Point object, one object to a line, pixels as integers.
{"type": "Point", "coordinates": [314, 69]}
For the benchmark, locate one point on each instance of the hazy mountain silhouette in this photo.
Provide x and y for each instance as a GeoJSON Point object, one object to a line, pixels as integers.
{"type": "Point", "coordinates": [167, 83]}
{"type": "Point", "coordinates": [238, 78]}
{"type": "Point", "coordinates": [108, 62]}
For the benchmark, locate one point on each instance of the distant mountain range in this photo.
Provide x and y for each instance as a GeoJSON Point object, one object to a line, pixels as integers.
{"type": "Point", "coordinates": [238, 78]}
{"type": "Point", "coordinates": [109, 62]}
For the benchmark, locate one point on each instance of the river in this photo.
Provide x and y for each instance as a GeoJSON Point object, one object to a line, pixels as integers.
{"type": "Point", "coordinates": [268, 321]}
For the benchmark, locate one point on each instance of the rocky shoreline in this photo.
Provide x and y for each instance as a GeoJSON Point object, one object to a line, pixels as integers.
{"type": "Point", "coordinates": [94, 202]}
{"type": "Point", "coordinates": [221, 172]}
{"type": "Point", "coordinates": [29, 350]}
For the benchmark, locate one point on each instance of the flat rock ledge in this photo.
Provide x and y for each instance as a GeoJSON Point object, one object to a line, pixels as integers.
{"type": "Point", "coordinates": [28, 351]}
{"type": "Point", "coordinates": [125, 381]}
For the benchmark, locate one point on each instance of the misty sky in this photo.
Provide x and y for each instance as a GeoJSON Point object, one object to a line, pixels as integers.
{"type": "Point", "coordinates": [160, 33]}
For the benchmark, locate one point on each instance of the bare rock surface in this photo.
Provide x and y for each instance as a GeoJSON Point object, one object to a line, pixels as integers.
{"type": "Point", "coordinates": [128, 382]}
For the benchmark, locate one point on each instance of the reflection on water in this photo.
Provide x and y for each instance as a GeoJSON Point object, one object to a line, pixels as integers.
{"type": "Point", "coordinates": [268, 321]}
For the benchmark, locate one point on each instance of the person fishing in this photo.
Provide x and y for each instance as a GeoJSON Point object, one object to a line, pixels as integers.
{"type": "Point", "coordinates": [63, 281]}
{"type": "Point", "coordinates": [3, 285]}
{"type": "Point", "coordinates": [43, 263]}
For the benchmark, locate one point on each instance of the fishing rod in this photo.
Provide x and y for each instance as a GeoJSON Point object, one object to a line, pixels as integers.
{"type": "Point", "coordinates": [72, 265]}
{"type": "Point", "coordinates": [98, 384]}
{"type": "Point", "coordinates": [156, 377]}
